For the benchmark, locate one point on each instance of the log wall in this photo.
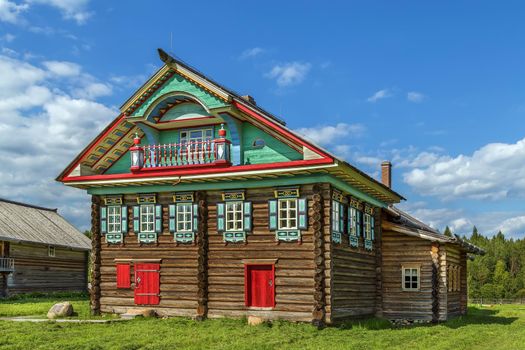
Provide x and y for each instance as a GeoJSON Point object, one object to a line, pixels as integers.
{"type": "Point", "coordinates": [457, 300]}
{"type": "Point", "coordinates": [178, 268]}
{"type": "Point", "coordinates": [399, 250]}
{"type": "Point", "coordinates": [213, 286]}
{"type": "Point", "coordinates": [355, 277]}
{"type": "Point", "coordinates": [35, 271]}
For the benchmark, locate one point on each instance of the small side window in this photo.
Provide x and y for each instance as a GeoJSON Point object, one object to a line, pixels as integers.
{"type": "Point", "coordinates": [51, 251]}
{"type": "Point", "coordinates": [258, 143]}
{"type": "Point", "coordinates": [410, 278]}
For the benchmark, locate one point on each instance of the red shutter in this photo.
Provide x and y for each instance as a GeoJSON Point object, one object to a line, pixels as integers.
{"type": "Point", "coordinates": [123, 276]}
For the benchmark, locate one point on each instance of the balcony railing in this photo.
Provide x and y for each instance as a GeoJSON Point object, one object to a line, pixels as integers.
{"type": "Point", "coordinates": [175, 154]}
{"type": "Point", "coordinates": [192, 153]}
{"type": "Point", "coordinates": [7, 264]}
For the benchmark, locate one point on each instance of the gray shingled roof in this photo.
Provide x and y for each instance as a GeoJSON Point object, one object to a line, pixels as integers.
{"type": "Point", "coordinates": [21, 222]}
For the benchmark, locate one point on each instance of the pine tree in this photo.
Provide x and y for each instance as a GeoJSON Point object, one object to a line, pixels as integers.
{"type": "Point", "coordinates": [447, 232]}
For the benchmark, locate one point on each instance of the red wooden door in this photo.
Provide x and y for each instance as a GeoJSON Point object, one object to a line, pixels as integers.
{"type": "Point", "coordinates": [259, 285]}
{"type": "Point", "coordinates": [147, 284]}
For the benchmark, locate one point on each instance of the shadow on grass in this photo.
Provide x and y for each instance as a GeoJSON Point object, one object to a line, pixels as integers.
{"type": "Point", "coordinates": [475, 316]}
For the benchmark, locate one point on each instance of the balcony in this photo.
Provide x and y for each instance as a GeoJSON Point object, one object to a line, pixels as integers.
{"type": "Point", "coordinates": [7, 264]}
{"type": "Point", "coordinates": [185, 154]}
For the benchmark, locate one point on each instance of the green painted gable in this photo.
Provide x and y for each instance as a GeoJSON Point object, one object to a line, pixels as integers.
{"type": "Point", "coordinates": [178, 83]}
{"type": "Point", "coordinates": [272, 152]}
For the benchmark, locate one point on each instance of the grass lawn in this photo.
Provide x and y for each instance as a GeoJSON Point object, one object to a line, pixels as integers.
{"type": "Point", "coordinates": [498, 327]}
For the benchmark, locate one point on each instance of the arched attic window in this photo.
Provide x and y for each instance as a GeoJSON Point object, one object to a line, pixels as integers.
{"type": "Point", "coordinates": [184, 110]}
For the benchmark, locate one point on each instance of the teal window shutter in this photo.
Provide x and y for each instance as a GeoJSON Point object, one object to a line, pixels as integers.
{"type": "Point", "coordinates": [247, 212]}
{"type": "Point", "coordinates": [136, 219]}
{"type": "Point", "coordinates": [359, 226]}
{"type": "Point", "coordinates": [173, 218]}
{"type": "Point", "coordinates": [341, 218]}
{"type": "Point", "coordinates": [303, 213]}
{"type": "Point", "coordinates": [272, 214]}
{"type": "Point", "coordinates": [158, 218]}
{"type": "Point", "coordinates": [349, 220]}
{"type": "Point", "coordinates": [124, 219]}
{"type": "Point", "coordinates": [372, 228]}
{"type": "Point", "coordinates": [195, 217]}
{"type": "Point", "coordinates": [220, 217]}
{"type": "Point", "coordinates": [103, 220]}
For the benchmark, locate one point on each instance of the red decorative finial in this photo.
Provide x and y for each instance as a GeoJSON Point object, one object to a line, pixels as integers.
{"type": "Point", "coordinates": [136, 140]}
{"type": "Point", "coordinates": [222, 132]}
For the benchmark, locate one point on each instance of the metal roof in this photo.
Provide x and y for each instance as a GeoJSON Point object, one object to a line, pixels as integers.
{"type": "Point", "coordinates": [20, 222]}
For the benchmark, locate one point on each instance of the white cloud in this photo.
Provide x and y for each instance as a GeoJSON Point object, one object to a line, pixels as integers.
{"type": "Point", "coordinates": [514, 226]}
{"type": "Point", "coordinates": [10, 11]}
{"type": "Point", "coordinates": [493, 172]}
{"type": "Point", "coordinates": [70, 9]}
{"type": "Point", "coordinates": [379, 95]}
{"type": "Point", "coordinates": [62, 69]}
{"type": "Point", "coordinates": [43, 127]}
{"type": "Point", "coordinates": [288, 74]}
{"type": "Point", "coordinates": [330, 134]}
{"type": "Point", "coordinates": [8, 37]}
{"type": "Point", "coordinates": [414, 96]}
{"type": "Point", "coordinates": [250, 53]}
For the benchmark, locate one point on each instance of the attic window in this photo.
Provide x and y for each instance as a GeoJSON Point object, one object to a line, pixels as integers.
{"type": "Point", "coordinates": [258, 143]}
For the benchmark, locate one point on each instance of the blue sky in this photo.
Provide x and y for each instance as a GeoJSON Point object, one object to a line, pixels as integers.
{"type": "Point", "coordinates": [435, 87]}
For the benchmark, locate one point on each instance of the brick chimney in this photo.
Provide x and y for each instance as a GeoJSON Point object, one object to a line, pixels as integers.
{"type": "Point", "coordinates": [386, 173]}
{"type": "Point", "coordinates": [249, 99]}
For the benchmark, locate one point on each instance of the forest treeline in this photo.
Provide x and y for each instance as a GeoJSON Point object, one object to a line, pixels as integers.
{"type": "Point", "coordinates": [500, 273]}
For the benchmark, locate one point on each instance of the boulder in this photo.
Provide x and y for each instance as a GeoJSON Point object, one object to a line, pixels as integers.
{"type": "Point", "coordinates": [134, 313]}
{"type": "Point", "coordinates": [255, 320]}
{"type": "Point", "coordinates": [63, 309]}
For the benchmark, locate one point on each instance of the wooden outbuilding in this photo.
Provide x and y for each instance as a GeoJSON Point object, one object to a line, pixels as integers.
{"type": "Point", "coordinates": [206, 205]}
{"type": "Point", "coordinates": [40, 251]}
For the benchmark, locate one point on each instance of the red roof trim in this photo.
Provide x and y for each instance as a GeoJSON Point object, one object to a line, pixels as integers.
{"type": "Point", "coordinates": [276, 126]}
{"type": "Point", "coordinates": [170, 172]}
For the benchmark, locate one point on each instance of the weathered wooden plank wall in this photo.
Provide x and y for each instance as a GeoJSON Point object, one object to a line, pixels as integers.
{"type": "Point", "coordinates": [399, 249]}
{"type": "Point", "coordinates": [35, 271]}
{"type": "Point", "coordinates": [355, 278]}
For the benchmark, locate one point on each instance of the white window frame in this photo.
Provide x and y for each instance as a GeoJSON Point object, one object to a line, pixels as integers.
{"type": "Point", "coordinates": [188, 138]}
{"type": "Point", "coordinates": [289, 216]}
{"type": "Point", "coordinates": [186, 210]}
{"type": "Point", "coordinates": [114, 219]}
{"type": "Point", "coordinates": [411, 268]}
{"type": "Point", "coordinates": [51, 251]}
{"type": "Point", "coordinates": [147, 211]}
{"type": "Point", "coordinates": [238, 222]}
{"type": "Point", "coordinates": [367, 226]}
{"type": "Point", "coordinates": [336, 216]}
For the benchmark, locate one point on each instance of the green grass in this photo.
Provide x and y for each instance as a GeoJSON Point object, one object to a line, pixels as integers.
{"type": "Point", "coordinates": [499, 327]}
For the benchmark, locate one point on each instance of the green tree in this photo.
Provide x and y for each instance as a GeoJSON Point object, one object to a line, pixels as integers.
{"type": "Point", "coordinates": [447, 232]}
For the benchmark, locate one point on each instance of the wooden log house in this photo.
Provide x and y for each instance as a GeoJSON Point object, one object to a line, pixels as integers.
{"type": "Point", "coordinates": [206, 205]}
{"type": "Point", "coordinates": [40, 251]}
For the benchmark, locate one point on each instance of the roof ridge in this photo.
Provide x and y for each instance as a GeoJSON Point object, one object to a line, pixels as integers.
{"type": "Point", "coordinates": [27, 205]}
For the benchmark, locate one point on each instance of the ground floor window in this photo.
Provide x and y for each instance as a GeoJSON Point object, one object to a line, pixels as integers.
{"type": "Point", "coordinates": [184, 217]}
{"type": "Point", "coordinates": [410, 278]}
{"type": "Point", "coordinates": [234, 216]}
{"type": "Point", "coordinates": [454, 278]}
{"type": "Point", "coordinates": [287, 214]}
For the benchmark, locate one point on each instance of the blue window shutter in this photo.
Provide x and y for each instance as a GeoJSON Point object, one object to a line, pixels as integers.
{"type": "Point", "coordinates": [173, 218]}
{"type": "Point", "coordinates": [303, 213]}
{"type": "Point", "coordinates": [272, 214]}
{"type": "Point", "coordinates": [124, 220]}
{"type": "Point", "coordinates": [341, 218]}
{"type": "Point", "coordinates": [136, 219]}
{"type": "Point", "coordinates": [359, 225]}
{"type": "Point", "coordinates": [247, 216]}
{"type": "Point", "coordinates": [103, 220]}
{"type": "Point", "coordinates": [158, 218]}
{"type": "Point", "coordinates": [195, 217]}
{"type": "Point", "coordinates": [220, 217]}
{"type": "Point", "coordinates": [372, 228]}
